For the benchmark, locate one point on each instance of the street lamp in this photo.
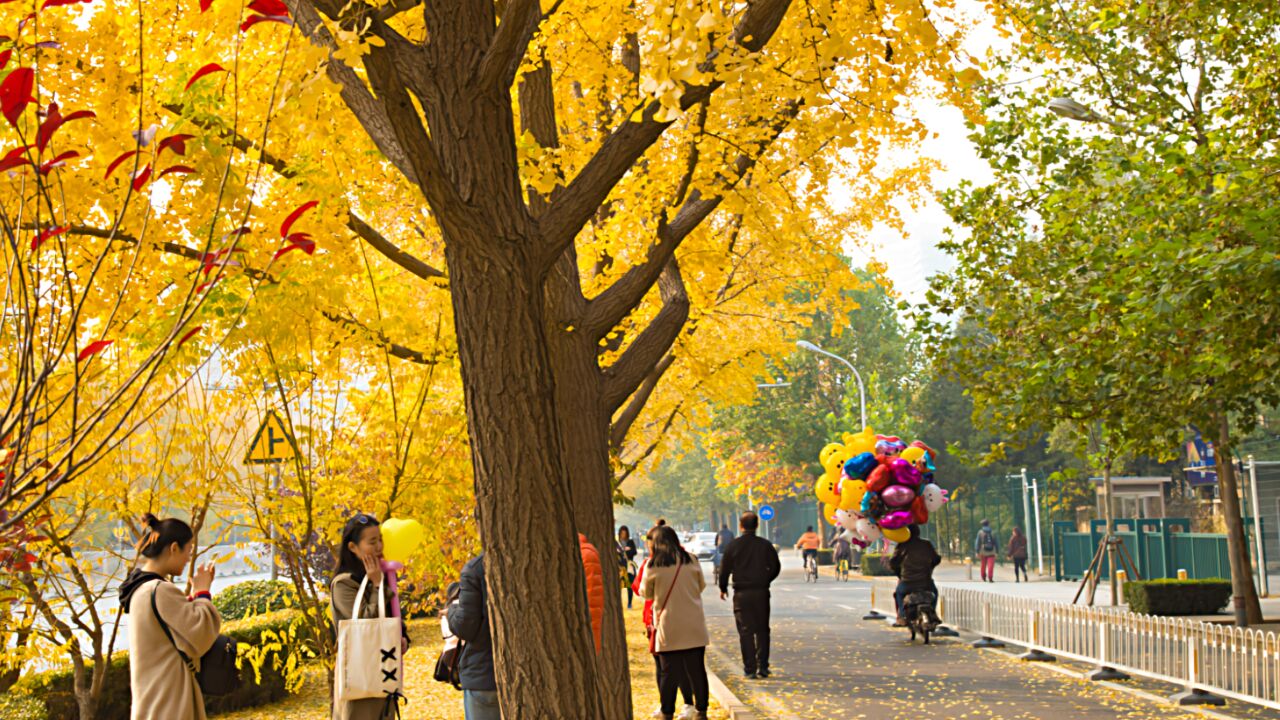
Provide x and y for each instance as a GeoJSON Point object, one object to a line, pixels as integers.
{"type": "Point", "coordinates": [862, 391]}
{"type": "Point", "coordinates": [765, 386]}
{"type": "Point", "coordinates": [1065, 107]}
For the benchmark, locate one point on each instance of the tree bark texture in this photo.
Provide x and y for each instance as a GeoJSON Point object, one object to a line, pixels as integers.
{"type": "Point", "coordinates": [1244, 601]}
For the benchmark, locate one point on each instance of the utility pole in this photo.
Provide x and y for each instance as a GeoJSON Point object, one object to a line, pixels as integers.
{"type": "Point", "coordinates": [1035, 504]}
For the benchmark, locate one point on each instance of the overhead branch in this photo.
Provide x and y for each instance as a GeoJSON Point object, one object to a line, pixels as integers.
{"type": "Point", "coordinates": [630, 467]}
{"type": "Point", "coordinates": [390, 250]}
{"type": "Point", "coordinates": [625, 375]}
{"type": "Point", "coordinates": [608, 308]}
{"type": "Point", "coordinates": [166, 246]}
{"type": "Point", "coordinates": [394, 349]}
{"type": "Point", "coordinates": [627, 417]}
{"type": "Point", "coordinates": [575, 205]}
{"type": "Point", "coordinates": [502, 59]}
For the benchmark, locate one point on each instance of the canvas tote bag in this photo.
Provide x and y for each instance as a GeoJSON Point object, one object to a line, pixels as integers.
{"type": "Point", "coordinates": [369, 663]}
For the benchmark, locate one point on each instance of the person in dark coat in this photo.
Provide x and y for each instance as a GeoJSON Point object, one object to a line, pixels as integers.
{"type": "Point", "coordinates": [913, 562]}
{"type": "Point", "coordinates": [468, 618]}
{"type": "Point", "coordinates": [1017, 552]}
{"type": "Point", "coordinates": [751, 563]}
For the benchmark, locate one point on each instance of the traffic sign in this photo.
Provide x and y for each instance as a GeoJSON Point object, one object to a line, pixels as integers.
{"type": "Point", "coordinates": [272, 443]}
{"type": "Point", "coordinates": [766, 512]}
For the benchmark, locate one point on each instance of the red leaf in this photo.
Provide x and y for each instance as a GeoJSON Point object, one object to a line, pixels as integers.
{"type": "Point", "coordinates": [94, 348]}
{"type": "Point", "coordinates": [15, 93]}
{"type": "Point", "coordinates": [270, 7]}
{"type": "Point", "coordinates": [206, 70]}
{"type": "Point", "coordinates": [176, 143]}
{"type": "Point", "coordinates": [53, 120]}
{"type": "Point", "coordinates": [293, 216]}
{"type": "Point", "coordinates": [183, 169]}
{"type": "Point", "coordinates": [206, 286]}
{"type": "Point", "coordinates": [4, 54]}
{"type": "Point", "coordinates": [283, 251]}
{"type": "Point", "coordinates": [58, 3]}
{"type": "Point", "coordinates": [205, 5]}
{"type": "Point", "coordinates": [58, 161]}
{"type": "Point", "coordinates": [255, 19]}
{"type": "Point", "coordinates": [140, 180]}
{"type": "Point", "coordinates": [25, 20]}
{"type": "Point", "coordinates": [116, 163]}
{"type": "Point", "coordinates": [189, 334]}
{"type": "Point", "coordinates": [16, 157]}
{"type": "Point", "coordinates": [242, 230]}
{"type": "Point", "coordinates": [45, 234]}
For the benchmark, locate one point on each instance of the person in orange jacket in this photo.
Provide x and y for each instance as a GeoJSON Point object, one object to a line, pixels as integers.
{"type": "Point", "coordinates": [595, 585]}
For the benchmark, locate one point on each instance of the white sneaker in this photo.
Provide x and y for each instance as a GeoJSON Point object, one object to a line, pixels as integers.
{"type": "Point", "coordinates": [688, 713]}
{"type": "Point", "coordinates": [657, 712]}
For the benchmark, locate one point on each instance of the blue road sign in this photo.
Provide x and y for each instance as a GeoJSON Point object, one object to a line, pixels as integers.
{"type": "Point", "coordinates": [766, 512]}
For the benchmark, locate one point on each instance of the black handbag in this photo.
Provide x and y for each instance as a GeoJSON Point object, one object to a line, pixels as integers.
{"type": "Point", "coordinates": [447, 666]}
{"type": "Point", "coordinates": [218, 674]}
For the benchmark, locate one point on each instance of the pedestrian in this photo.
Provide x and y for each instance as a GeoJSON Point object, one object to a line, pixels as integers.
{"type": "Point", "coordinates": [1017, 552]}
{"type": "Point", "coordinates": [360, 558]}
{"type": "Point", "coordinates": [913, 562]}
{"type": "Point", "coordinates": [595, 586]}
{"type": "Point", "coordinates": [751, 563]}
{"type": "Point", "coordinates": [627, 560]}
{"type": "Point", "coordinates": [985, 547]}
{"type": "Point", "coordinates": [163, 687]}
{"type": "Point", "coordinates": [674, 581]}
{"type": "Point", "coordinates": [468, 618]}
{"type": "Point", "coordinates": [686, 690]}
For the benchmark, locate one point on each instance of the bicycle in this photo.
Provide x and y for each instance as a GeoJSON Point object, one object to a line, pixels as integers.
{"type": "Point", "coordinates": [842, 570]}
{"type": "Point", "coordinates": [811, 569]}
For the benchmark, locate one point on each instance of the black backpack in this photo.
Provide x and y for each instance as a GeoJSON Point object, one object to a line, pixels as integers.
{"type": "Point", "coordinates": [988, 543]}
{"type": "Point", "coordinates": [218, 674]}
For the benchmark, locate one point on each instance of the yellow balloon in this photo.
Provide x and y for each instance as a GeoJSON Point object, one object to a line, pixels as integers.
{"type": "Point", "coordinates": [829, 512]}
{"type": "Point", "coordinates": [897, 534]}
{"type": "Point", "coordinates": [400, 538]}
{"type": "Point", "coordinates": [864, 441]}
{"type": "Point", "coordinates": [912, 454]}
{"type": "Point", "coordinates": [851, 492]}
{"type": "Point", "coordinates": [825, 489]}
{"type": "Point", "coordinates": [826, 452]}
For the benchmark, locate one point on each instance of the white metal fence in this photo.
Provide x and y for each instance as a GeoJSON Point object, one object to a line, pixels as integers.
{"type": "Point", "coordinates": [1229, 661]}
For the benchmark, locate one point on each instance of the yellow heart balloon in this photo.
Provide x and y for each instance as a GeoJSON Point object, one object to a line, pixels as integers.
{"type": "Point", "coordinates": [829, 512]}
{"type": "Point", "coordinates": [912, 454]}
{"type": "Point", "coordinates": [897, 534]}
{"type": "Point", "coordinates": [400, 538]}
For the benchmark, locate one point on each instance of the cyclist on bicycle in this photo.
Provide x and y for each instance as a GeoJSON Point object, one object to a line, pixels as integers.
{"type": "Point", "coordinates": [842, 549]}
{"type": "Point", "coordinates": [913, 562]}
{"type": "Point", "coordinates": [809, 541]}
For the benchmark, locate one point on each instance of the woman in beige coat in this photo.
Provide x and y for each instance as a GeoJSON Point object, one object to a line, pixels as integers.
{"type": "Point", "coordinates": [359, 557]}
{"type": "Point", "coordinates": [162, 685]}
{"type": "Point", "coordinates": [673, 580]}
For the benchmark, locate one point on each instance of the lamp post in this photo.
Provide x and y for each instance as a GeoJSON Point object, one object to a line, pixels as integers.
{"type": "Point", "coordinates": [1065, 107]}
{"type": "Point", "coordinates": [862, 391]}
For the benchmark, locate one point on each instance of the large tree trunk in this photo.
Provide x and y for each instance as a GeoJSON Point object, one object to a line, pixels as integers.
{"type": "Point", "coordinates": [584, 436]}
{"type": "Point", "coordinates": [545, 657]}
{"type": "Point", "coordinates": [1244, 599]}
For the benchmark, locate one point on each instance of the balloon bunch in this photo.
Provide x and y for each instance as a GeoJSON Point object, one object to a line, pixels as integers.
{"type": "Point", "coordinates": [874, 486]}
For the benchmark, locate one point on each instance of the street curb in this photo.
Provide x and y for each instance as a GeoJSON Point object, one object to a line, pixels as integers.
{"type": "Point", "coordinates": [738, 710]}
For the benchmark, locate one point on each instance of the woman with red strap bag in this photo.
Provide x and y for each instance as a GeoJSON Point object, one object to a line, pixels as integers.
{"type": "Point", "coordinates": [673, 580]}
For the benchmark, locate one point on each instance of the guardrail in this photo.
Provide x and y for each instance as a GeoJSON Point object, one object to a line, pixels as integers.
{"type": "Point", "coordinates": [1210, 661]}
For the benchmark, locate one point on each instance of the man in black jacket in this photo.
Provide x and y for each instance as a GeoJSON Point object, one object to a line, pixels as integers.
{"type": "Point", "coordinates": [753, 564]}
{"type": "Point", "coordinates": [913, 562]}
{"type": "Point", "coordinates": [468, 618]}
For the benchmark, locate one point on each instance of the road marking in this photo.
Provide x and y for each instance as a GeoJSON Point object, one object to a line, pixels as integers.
{"type": "Point", "coordinates": [846, 607]}
{"type": "Point", "coordinates": [814, 597]}
{"type": "Point", "coordinates": [785, 589]}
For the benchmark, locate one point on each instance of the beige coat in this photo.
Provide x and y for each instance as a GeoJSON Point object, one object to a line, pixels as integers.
{"type": "Point", "coordinates": [342, 595]}
{"type": "Point", "coordinates": [163, 687]}
{"type": "Point", "coordinates": [681, 624]}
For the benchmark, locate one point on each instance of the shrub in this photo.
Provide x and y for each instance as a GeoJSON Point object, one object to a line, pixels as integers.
{"type": "Point", "coordinates": [254, 597]}
{"type": "Point", "coordinates": [15, 706]}
{"type": "Point", "coordinates": [826, 556]}
{"type": "Point", "coordinates": [269, 651]}
{"type": "Point", "coordinates": [875, 564]}
{"type": "Point", "coordinates": [1168, 596]}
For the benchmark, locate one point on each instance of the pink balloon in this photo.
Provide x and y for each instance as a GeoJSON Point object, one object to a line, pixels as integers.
{"type": "Point", "coordinates": [898, 496]}
{"type": "Point", "coordinates": [896, 519]}
{"type": "Point", "coordinates": [905, 472]}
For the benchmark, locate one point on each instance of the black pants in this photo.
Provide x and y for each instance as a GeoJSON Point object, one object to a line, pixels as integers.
{"type": "Point", "coordinates": [683, 668]}
{"type": "Point", "coordinates": [686, 691]}
{"type": "Point", "coordinates": [1020, 565]}
{"type": "Point", "coordinates": [751, 612]}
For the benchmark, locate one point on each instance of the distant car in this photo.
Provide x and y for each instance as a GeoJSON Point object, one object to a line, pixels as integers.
{"type": "Point", "coordinates": [701, 545]}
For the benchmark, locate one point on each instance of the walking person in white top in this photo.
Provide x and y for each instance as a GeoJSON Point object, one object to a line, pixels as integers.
{"type": "Point", "coordinates": [673, 580]}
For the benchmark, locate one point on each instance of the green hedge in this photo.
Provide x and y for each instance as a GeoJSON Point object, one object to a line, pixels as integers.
{"type": "Point", "coordinates": [54, 689]}
{"type": "Point", "coordinates": [1168, 596]}
{"type": "Point", "coordinates": [875, 564]}
{"type": "Point", "coordinates": [21, 707]}
{"type": "Point", "coordinates": [826, 556]}
{"type": "Point", "coordinates": [254, 597]}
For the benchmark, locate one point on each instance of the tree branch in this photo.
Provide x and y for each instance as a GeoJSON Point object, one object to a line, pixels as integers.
{"type": "Point", "coordinates": [625, 419]}
{"type": "Point", "coordinates": [643, 354]}
{"type": "Point", "coordinates": [608, 308]}
{"type": "Point", "coordinates": [574, 206]}
{"type": "Point", "coordinates": [380, 338]}
{"type": "Point", "coordinates": [501, 61]}
{"type": "Point", "coordinates": [390, 250]}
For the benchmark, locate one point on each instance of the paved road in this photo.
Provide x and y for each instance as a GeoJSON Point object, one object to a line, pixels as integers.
{"type": "Point", "coordinates": [829, 663]}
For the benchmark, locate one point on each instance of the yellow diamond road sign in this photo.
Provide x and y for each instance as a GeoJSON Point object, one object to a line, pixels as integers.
{"type": "Point", "coordinates": [272, 443]}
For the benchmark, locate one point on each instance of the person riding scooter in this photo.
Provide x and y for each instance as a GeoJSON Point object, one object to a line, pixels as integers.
{"type": "Point", "coordinates": [913, 562]}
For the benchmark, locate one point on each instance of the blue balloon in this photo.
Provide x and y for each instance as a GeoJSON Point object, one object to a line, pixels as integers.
{"type": "Point", "coordinates": [860, 466]}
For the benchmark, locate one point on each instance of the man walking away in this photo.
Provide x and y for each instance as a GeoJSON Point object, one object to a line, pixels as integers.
{"type": "Point", "coordinates": [753, 564]}
{"type": "Point", "coordinates": [468, 618]}
{"type": "Point", "coordinates": [984, 546]}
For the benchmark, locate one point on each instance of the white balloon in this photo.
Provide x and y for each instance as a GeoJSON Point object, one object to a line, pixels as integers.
{"type": "Point", "coordinates": [868, 531]}
{"type": "Point", "coordinates": [847, 520]}
{"type": "Point", "coordinates": [934, 497]}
